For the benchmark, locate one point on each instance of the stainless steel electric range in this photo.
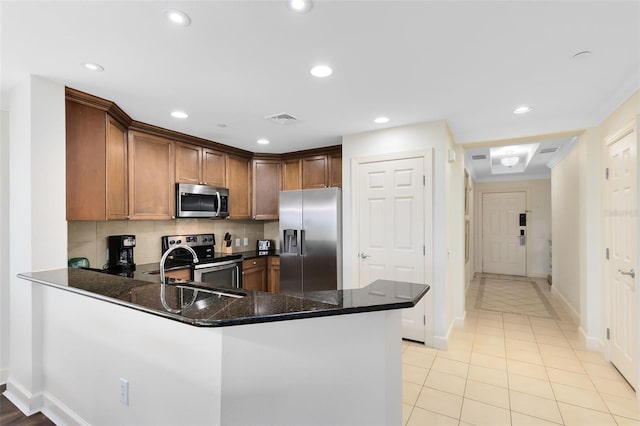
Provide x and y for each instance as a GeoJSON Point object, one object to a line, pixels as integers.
{"type": "Point", "coordinates": [220, 270]}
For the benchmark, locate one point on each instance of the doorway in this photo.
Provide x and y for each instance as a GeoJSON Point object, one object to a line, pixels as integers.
{"type": "Point", "coordinates": [504, 248]}
{"type": "Point", "coordinates": [621, 200]}
{"type": "Point", "coordinates": [393, 213]}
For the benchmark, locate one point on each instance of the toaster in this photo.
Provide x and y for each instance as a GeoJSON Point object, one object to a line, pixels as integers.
{"type": "Point", "coordinates": [264, 245]}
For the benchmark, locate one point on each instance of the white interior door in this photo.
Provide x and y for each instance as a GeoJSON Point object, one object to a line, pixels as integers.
{"type": "Point", "coordinates": [391, 221]}
{"type": "Point", "coordinates": [503, 251]}
{"type": "Point", "coordinates": [623, 230]}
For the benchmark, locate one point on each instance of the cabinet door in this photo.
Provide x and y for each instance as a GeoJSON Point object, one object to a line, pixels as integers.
{"type": "Point", "coordinates": [292, 174]}
{"type": "Point", "coordinates": [254, 274]}
{"type": "Point", "coordinates": [314, 172]}
{"type": "Point", "coordinates": [85, 156]}
{"type": "Point", "coordinates": [188, 163]}
{"type": "Point", "coordinates": [151, 177]}
{"type": "Point", "coordinates": [117, 173]}
{"type": "Point", "coordinates": [266, 189]}
{"type": "Point", "coordinates": [238, 172]}
{"type": "Point", "coordinates": [213, 167]}
{"type": "Point", "coordinates": [335, 170]}
{"type": "Point", "coordinates": [274, 274]}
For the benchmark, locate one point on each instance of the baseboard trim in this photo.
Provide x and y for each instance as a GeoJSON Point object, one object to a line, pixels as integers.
{"type": "Point", "coordinates": [438, 342]}
{"type": "Point", "coordinates": [459, 321]}
{"type": "Point", "coordinates": [574, 315]}
{"type": "Point", "coordinates": [538, 275]}
{"type": "Point", "coordinates": [442, 342]}
{"type": "Point", "coordinates": [591, 343]}
{"type": "Point", "coordinates": [24, 400]}
{"type": "Point", "coordinates": [59, 413]}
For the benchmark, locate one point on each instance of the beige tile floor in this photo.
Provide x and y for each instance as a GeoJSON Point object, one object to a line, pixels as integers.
{"type": "Point", "coordinates": [505, 368]}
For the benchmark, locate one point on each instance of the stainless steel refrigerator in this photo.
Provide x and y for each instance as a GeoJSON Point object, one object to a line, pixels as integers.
{"type": "Point", "coordinates": [310, 240]}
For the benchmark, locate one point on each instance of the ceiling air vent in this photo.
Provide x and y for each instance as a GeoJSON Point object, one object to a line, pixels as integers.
{"type": "Point", "coordinates": [282, 118]}
{"type": "Point", "coordinates": [548, 150]}
{"type": "Point", "coordinates": [479, 157]}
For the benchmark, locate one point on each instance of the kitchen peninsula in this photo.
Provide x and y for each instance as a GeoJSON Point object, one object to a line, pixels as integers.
{"type": "Point", "coordinates": [330, 357]}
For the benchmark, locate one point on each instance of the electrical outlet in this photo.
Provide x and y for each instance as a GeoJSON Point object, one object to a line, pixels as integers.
{"type": "Point", "coordinates": [237, 242]}
{"type": "Point", "coordinates": [124, 391]}
{"type": "Point", "coordinates": [246, 241]}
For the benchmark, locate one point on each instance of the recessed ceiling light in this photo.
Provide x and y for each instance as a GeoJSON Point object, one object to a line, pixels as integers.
{"type": "Point", "coordinates": [263, 141]}
{"type": "Point", "coordinates": [93, 66]}
{"type": "Point", "coordinates": [585, 54]}
{"type": "Point", "coordinates": [523, 109]}
{"type": "Point", "coordinates": [177, 17]}
{"type": "Point", "coordinates": [179, 114]}
{"type": "Point", "coordinates": [509, 161]}
{"type": "Point", "coordinates": [321, 71]}
{"type": "Point", "coordinates": [381, 120]}
{"type": "Point", "coordinates": [300, 6]}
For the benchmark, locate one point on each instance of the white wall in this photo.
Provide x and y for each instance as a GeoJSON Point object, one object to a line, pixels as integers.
{"type": "Point", "coordinates": [565, 196]}
{"type": "Point", "coordinates": [38, 226]}
{"type": "Point", "coordinates": [4, 243]}
{"type": "Point", "coordinates": [448, 193]}
{"type": "Point", "coordinates": [173, 369]}
{"type": "Point", "coordinates": [538, 221]}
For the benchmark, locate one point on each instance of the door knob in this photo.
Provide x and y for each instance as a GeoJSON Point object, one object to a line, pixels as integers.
{"type": "Point", "coordinates": [631, 273]}
{"type": "Point", "coordinates": [364, 255]}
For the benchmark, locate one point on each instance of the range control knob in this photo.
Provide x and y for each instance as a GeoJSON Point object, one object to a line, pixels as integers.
{"type": "Point", "coordinates": [172, 242]}
{"type": "Point", "coordinates": [179, 241]}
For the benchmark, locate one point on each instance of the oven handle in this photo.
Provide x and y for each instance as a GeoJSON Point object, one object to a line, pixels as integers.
{"type": "Point", "coordinates": [237, 276]}
{"type": "Point", "coordinates": [217, 265]}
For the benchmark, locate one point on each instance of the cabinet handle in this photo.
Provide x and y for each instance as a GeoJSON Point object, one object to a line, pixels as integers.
{"type": "Point", "coordinates": [173, 217]}
{"type": "Point", "coordinates": [254, 262]}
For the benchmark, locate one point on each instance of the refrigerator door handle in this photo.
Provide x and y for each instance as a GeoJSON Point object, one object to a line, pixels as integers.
{"type": "Point", "coordinates": [303, 248]}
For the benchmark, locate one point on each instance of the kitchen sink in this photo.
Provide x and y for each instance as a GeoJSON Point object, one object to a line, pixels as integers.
{"type": "Point", "coordinates": [208, 291]}
{"type": "Point", "coordinates": [198, 298]}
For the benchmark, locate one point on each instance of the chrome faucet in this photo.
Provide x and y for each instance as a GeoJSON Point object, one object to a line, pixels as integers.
{"type": "Point", "coordinates": [162, 275]}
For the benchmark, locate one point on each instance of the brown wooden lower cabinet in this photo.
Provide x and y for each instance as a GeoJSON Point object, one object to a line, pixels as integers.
{"type": "Point", "coordinates": [254, 274]}
{"type": "Point", "coordinates": [274, 274]}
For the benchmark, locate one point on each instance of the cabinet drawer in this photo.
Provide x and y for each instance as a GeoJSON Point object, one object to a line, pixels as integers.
{"type": "Point", "coordinates": [257, 262]}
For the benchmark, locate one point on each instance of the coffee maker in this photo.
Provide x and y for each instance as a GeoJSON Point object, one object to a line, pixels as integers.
{"type": "Point", "coordinates": [121, 253]}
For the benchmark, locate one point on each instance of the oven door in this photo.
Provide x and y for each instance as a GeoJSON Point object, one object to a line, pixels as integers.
{"type": "Point", "coordinates": [227, 274]}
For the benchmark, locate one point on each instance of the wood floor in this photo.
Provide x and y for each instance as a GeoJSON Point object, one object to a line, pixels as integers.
{"type": "Point", "coordinates": [10, 415]}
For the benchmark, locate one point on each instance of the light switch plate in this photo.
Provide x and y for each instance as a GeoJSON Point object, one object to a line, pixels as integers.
{"type": "Point", "coordinates": [237, 242]}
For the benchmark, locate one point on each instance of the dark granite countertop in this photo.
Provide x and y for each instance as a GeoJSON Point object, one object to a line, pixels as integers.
{"type": "Point", "coordinates": [142, 292]}
{"type": "Point", "coordinates": [253, 254]}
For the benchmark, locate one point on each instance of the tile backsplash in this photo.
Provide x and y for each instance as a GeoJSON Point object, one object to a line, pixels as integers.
{"type": "Point", "coordinates": [89, 239]}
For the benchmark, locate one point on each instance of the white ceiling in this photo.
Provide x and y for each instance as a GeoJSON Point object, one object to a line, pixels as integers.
{"type": "Point", "coordinates": [469, 63]}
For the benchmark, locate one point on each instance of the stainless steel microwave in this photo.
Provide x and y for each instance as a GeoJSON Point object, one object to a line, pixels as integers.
{"type": "Point", "coordinates": [201, 201]}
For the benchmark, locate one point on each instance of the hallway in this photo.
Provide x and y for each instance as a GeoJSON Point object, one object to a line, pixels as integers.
{"type": "Point", "coordinates": [517, 361]}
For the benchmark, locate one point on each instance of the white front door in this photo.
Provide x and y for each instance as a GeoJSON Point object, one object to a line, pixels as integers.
{"type": "Point", "coordinates": [391, 229]}
{"type": "Point", "coordinates": [503, 251]}
{"type": "Point", "coordinates": [622, 221]}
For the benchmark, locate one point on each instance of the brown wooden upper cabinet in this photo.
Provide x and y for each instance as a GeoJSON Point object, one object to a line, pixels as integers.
{"type": "Point", "coordinates": [96, 155]}
{"type": "Point", "coordinates": [151, 177]}
{"type": "Point", "coordinates": [291, 174]}
{"type": "Point", "coordinates": [335, 170]}
{"type": "Point", "coordinates": [200, 165]}
{"type": "Point", "coordinates": [316, 171]}
{"type": "Point", "coordinates": [238, 181]}
{"type": "Point", "coordinates": [265, 189]}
